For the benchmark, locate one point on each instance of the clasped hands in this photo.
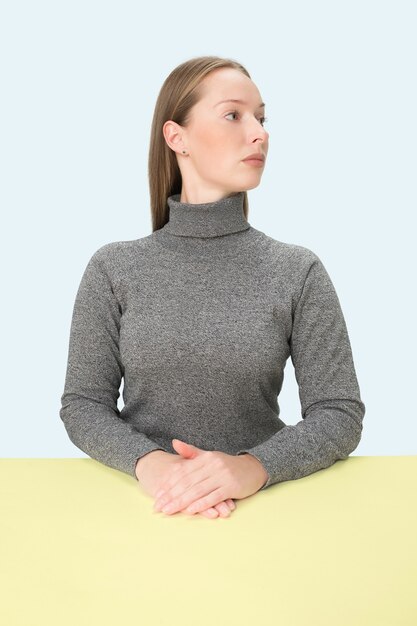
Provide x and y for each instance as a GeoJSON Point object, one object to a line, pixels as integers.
{"type": "Point", "coordinates": [201, 479]}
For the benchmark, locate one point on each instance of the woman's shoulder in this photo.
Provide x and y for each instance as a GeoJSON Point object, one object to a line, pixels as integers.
{"type": "Point", "coordinates": [290, 252]}
{"type": "Point", "coordinates": [117, 250]}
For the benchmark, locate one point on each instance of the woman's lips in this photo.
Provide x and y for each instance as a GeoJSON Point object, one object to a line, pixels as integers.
{"type": "Point", "coordinates": [254, 162]}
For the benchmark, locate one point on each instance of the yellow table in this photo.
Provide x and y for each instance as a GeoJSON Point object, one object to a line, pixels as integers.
{"type": "Point", "coordinates": [81, 545]}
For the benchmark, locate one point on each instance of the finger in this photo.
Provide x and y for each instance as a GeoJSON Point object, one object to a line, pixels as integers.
{"type": "Point", "coordinates": [179, 480]}
{"type": "Point", "coordinates": [203, 493]}
{"type": "Point", "coordinates": [198, 504]}
{"type": "Point", "coordinates": [223, 509]}
{"type": "Point", "coordinates": [210, 513]}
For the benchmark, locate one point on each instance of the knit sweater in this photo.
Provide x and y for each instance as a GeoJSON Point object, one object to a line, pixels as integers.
{"type": "Point", "coordinates": [198, 319]}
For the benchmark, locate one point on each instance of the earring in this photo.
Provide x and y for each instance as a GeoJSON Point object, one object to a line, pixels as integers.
{"type": "Point", "coordinates": [184, 151]}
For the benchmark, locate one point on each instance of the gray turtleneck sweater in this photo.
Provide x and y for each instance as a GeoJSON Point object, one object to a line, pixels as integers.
{"type": "Point", "coordinates": [199, 319]}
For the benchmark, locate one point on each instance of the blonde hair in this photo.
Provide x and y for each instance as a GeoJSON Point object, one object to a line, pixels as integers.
{"type": "Point", "coordinates": [179, 93]}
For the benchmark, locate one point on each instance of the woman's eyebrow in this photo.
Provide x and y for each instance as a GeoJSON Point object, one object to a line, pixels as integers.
{"type": "Point", "coordinates": [261, 105]}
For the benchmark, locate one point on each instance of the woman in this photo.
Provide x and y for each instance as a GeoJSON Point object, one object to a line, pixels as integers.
{"type": "Point", "coordinates": [200, 317]}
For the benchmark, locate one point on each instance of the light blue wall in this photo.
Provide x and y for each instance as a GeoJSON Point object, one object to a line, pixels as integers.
{"type": "Point", "coordinates": [79, 81]}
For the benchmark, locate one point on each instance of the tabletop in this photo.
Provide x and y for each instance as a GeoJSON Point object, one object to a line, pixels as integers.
{"type": "Point", "coordinates": [80, 544]}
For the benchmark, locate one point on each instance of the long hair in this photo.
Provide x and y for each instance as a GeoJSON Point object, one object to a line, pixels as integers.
{"type": "Point", "coordinates": [178, 94]}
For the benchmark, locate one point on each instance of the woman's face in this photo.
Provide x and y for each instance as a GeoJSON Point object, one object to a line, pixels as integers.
{"type": "Point", "coordinates": [219, 136]}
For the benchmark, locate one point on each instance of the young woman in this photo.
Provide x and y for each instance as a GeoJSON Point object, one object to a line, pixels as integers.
{"type": "Point", "coordinates": [200, 317]}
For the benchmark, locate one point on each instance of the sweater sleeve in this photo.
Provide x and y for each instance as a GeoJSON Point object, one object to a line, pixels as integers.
{"type": "Point", "coordinates": [93, 377]}
{"type": "Point", "coordinates": [331, 406]}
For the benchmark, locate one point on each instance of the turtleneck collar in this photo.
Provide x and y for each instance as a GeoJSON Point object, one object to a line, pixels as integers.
{"type": "Point", "coordinates": [209, 219]}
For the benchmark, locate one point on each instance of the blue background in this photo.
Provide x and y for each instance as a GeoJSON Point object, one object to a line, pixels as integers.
{"type": "Point", "coordinates": [79, 85]}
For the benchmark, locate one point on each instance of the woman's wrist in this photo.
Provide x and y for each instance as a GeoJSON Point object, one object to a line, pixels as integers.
{"type": "Point", "coordinates": [143, 459]}
{"type": "Point", "coordinates": [258, 468]}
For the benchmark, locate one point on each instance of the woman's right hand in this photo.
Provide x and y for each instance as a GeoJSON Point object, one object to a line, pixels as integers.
{"type": "Point", "coordinates": [152, 469]}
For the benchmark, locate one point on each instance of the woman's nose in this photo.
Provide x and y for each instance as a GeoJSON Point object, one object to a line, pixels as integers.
{"type": "Point", "coordinates": [260, 132]}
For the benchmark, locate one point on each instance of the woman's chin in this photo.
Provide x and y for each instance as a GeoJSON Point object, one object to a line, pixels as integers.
{"type": "Point", "coordinates": [247, 185]}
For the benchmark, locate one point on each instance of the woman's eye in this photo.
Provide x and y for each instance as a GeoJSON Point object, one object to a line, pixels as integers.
{"type": "Point", "coordinates": [262, 120]}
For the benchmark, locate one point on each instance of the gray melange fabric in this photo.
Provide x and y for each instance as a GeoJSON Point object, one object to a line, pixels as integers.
{"type": "Point", "coordinates": [199, 318]}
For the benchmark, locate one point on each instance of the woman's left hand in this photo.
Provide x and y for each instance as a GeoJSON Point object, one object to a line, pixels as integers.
{"type": "Point", "coordinates": [206, 478]}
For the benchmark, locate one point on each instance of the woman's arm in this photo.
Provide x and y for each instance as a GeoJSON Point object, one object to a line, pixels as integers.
{"type": "Point", "coordinates": [94, 373]}
{"type": "Point", "coordinates": [331, 406]}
